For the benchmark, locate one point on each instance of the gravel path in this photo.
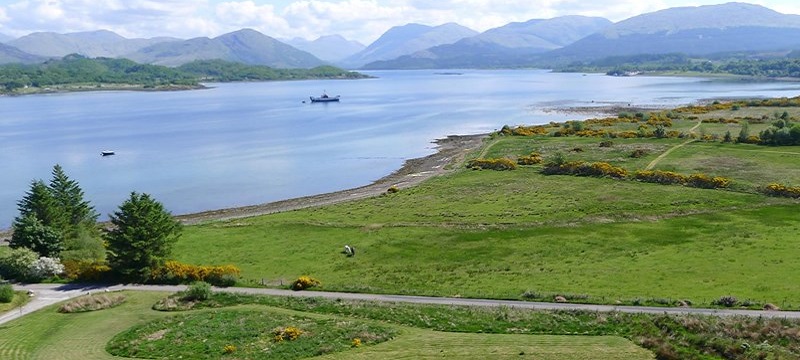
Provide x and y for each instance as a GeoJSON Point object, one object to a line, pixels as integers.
{"type": "Point", "coordinates": [48, 294]}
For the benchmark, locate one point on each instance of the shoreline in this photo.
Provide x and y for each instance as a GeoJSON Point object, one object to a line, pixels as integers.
{"type": "Point", "coordinates": [449, 150]}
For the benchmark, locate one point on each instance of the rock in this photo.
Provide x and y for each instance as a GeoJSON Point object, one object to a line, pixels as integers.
{"type": "Point", "coordinates": [771, 307]}
{"type": "Point", "coordinates": [560, 299]}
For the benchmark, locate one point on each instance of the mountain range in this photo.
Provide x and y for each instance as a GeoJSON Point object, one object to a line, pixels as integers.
{"type": "Point", "coordinates": [507, 45]}
{"type": "Point", "coordinates": [702, 30]}
{"type": "Point", "coordinates": [330, 48]}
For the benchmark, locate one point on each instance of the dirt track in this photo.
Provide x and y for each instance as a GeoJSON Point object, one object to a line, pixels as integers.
{"type": "Point", "coordinates": [449, 150]}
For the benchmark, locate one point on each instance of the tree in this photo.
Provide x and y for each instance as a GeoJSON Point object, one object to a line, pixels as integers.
{"type": "Point", "coordinates": [744, 133]}
{"type": "Point", "coordinates": [37, 226]}
{"type": "Point", "coordinates": [40, 202]}
{"type": "Point", "coordinates": [142, 236]}
{"type": "Point", "coordinates": [77, 213]}
{"type": "Point", "coordinates": [31, 233]}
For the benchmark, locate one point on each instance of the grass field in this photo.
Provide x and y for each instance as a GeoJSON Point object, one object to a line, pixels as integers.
{"type": "Point", "coordinates": [500, 234]}
{"type": "Point", "coordinates": [47, 334]}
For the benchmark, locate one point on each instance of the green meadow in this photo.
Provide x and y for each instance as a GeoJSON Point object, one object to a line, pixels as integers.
{"type": "Point", "coordinates": [521, 234]}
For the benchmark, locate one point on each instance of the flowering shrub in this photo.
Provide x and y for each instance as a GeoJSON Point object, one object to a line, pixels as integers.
{"type": "Point", "coordinates": [580, 168]}
{"type": "Point", "coordinates": [304, 282]}
{"type": "Point", "coordinates": [89, 270]}
{"type": "Point", "coordinates": [532, 159]}
{"type": "Point", "coordinates": [524, 130]}
{"type": "Point", "coordinates": [45, 267]}
{"type": "Point", "coordinates": [660, 177]}
{"type": "Point", "coordinates": [492, 164]}
{"type": "Point", "coordinates": [174, 272]}
{"type": "Point", "coordinates": [290, 333]}
{"type": "Point", "coordinates": [229, 349]}
{"type": "Point", "coordinates": [707, 182]}
{"type": "Point", "coordinates": [775, 189]}
{"type": "Point", "coordinates": [356, 342]}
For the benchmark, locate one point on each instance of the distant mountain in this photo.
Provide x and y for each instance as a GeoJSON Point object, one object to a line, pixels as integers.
{"type": "Point", "coordinates": [699, 30]}
{"type": "Point", "coordinates": [510, 45]}
{"type": "Point", "coordinates": [5, 38]}
{"type": "Point", "coordinates": [10, 54]}
{"type": "Point", "coordinates": [328, 48]}
{"type": "Point", "coordinates": [408, 39]}
{"type": "Point", "coordinates": [244, 46]}
{"type": "Point", "coordinates": [101, 43]}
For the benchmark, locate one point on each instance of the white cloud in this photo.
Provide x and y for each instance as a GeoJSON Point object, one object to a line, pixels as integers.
{"type": "Point", "coordinates": [362, 20]}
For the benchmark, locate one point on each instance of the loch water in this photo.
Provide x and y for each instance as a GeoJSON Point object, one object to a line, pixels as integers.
{"type": "Point", "coordinates": [238, 144]}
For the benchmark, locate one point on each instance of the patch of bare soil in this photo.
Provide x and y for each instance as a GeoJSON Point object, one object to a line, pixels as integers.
{"type": "Point", "coordinates": [449, 150]}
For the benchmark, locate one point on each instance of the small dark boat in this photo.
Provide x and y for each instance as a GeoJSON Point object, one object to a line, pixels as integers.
{"type": "Point", "coordinates": [107, 152]}
{"type": "Point", "coordinates": [324, 98]}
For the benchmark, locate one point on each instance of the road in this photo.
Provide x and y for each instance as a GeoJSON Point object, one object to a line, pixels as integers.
{"type": "Point", "coordinates": [48, 294]}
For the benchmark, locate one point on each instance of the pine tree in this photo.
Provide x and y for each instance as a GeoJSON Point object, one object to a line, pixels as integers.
{"type": "Point", "coordinates": [40, 202]}
{"type": "Point", "coordinates": [141, 238]}
{"type": "Point", "coordinates": [78, 213]}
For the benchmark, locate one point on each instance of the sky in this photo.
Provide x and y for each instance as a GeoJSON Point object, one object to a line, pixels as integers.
{"type": "Point", "coordinates": [360, 20]}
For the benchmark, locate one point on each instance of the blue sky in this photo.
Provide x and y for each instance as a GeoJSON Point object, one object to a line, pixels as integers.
{"type": "Point", "coordinates": [362, 20]}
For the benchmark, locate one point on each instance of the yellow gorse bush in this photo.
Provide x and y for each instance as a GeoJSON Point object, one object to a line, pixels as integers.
{"type": "Point", "coordinates": [187, 273]}
{"type": "Point", "coordinates": [289, 333]}
{"type": "Point", "coordinates": [776, 189]}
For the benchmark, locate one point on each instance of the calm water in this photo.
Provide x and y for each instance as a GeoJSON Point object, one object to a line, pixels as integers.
{"type": "Point", "coordinates": [249, 143]}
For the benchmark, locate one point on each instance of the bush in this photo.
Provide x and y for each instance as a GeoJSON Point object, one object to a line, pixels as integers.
{"type": "Point", "coordinates": [16, 263]}
{"type": "Point", "coordinates": [532, 159]}
{"type": "Point", "coordinates": [289, 333]}
{"type": "Point", "coordinates": [638, 153]}
{"type": "Point", "coordinates": [198, 291]}
{"type": "Point", "coordinates": [726, 301]}
{"type": "Point", "coordinates": [44, 268]}
{"type": "Point", "coordinates": [87, 270]}
{"type": "Point", "coordinates": [393, 189]}
{"type": "Point", "coordinates": [304, 282]}
{"type": "Point", "coordinates": [776, 189]}
{"type": "Point", "coordinates": [6, 293]}
{"type": "Point", "coordinates": [492, 164]}
{"type": "Point", "coordinates": [175, 272]}
{"type": "Point", "coordinates": [660, 177]}
{"type": "Point", "coordinates": [606, 143]}
{"type": "Point", "coordinates": [580, 168]}
{"type": "Point", "coordinates": [707, 182]}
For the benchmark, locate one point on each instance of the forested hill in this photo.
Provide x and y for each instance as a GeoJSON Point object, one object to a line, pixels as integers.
{"type": "Point", "coordinates": [75, 72]}
{"type": "Point", "coordinates": [778, 67]}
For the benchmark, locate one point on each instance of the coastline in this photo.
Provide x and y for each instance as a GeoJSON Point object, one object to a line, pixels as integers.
{"type": "Point", "coordinates": [449, 150]}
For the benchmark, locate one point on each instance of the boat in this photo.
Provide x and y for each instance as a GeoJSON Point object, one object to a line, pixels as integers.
{"type": "Point", "coordinates": [324, 98]}
{"type": "Point", "coordinates": [107, 152]}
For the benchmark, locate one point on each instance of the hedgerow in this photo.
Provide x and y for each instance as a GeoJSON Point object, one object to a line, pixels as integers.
{"type": "Point", "coordinates": [174, 272]}
{"type": "Point", "coordinates": [580, 168]}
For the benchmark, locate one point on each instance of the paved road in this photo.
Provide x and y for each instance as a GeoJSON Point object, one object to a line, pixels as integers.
{"type": "Point", "coordinates": [48, 294]}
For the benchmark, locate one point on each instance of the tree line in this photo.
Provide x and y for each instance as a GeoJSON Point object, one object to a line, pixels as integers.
{"type": "Point", "coordinates": [76, 69]}
{"type": "Point", "coordinates": [788, 67]}
{"type": "Point", "coordinates": [57, 228]}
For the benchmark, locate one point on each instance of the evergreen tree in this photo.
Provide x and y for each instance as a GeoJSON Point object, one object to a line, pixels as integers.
{"type": "Point", "coordinates": [30, 233]}
{"type": "Point", "coordinates": [78, 213]}
{"type": "Point", "coordinates": [141, 237]}
{"type": "Point", "coordinates": [40, 202]}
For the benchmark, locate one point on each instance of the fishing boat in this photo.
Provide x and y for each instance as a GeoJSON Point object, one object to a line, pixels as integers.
{"type": "Point", "coordinates": [324, 98]}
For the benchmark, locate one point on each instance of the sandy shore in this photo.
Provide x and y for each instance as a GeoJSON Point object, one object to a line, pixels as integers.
{"type": "Point", "coordinates": [449, 150]}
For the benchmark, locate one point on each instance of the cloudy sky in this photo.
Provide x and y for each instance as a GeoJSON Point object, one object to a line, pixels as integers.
{"type": "Point", "coordinates": [362, 20]}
